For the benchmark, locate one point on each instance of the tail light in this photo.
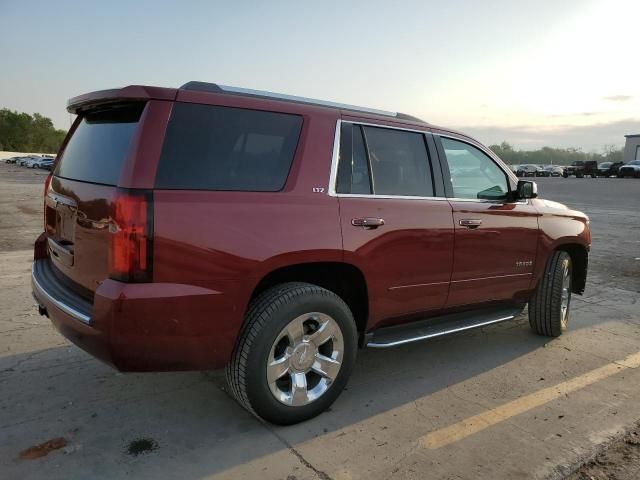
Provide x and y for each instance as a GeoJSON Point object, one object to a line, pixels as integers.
{"type": "Point", "coordinates": [47, 182]}
{"type": "Point", "coordinates": [131, 229]}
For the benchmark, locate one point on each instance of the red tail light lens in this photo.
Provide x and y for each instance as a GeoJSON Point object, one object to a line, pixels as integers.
{"type": "Point", "coordinates": [131, 236]}
{"type": "Point", "coordinates": [47, 182]}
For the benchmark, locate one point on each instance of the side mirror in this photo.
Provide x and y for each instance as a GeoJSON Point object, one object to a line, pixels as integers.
{"type": "Point", "coordinates": [526, 189]}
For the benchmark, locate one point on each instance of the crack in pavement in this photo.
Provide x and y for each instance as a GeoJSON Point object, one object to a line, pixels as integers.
{"type": "Point", "coordinates": [321, 474]}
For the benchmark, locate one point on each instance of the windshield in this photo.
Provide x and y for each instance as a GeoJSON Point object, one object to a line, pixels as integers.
{"type": "Point", "coordinates": [606, 164]}
{"type": "Point", "coordinates": [634, 162]}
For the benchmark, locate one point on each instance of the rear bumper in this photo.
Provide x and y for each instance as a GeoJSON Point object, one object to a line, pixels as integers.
{"type": "Point", "coordinates": [141, 327]}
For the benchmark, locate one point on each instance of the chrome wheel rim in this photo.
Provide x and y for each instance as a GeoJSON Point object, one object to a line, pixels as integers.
{"type": "Point", "coordinates": [305, 359]}
{"type": "Point", "coordinates": [566, 294]}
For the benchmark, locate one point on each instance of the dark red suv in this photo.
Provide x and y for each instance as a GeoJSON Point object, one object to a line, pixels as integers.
{"type": "Point", "coordinates": [210, 226]}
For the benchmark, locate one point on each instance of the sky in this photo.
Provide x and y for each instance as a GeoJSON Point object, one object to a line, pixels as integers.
{"type": "Point", "coordinates": [534, 73]}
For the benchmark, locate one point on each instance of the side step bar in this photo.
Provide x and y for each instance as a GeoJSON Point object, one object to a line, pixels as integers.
{"type": "Point", "coordinates": [439, 326]}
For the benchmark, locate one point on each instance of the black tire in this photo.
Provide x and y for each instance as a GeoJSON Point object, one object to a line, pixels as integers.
{"type": "Point", "coordinates": [268, 314]}
{"type": "Point", "coordinates": [545, 306]}
{"type": "Point", "coordinates": [565, 175]}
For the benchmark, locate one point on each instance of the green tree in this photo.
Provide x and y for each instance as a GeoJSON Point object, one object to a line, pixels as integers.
{"type": "Point", "coordinates": [21, 132]}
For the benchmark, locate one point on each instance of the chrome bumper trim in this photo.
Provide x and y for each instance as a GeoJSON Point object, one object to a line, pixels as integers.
{"type": "Point", "coordinates": [62, 306]}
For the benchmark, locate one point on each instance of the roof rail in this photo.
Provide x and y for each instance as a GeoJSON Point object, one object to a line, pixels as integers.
{"type": "Point", "coordinates": [215, 88]}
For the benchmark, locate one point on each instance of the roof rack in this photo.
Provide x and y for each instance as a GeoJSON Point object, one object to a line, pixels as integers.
{"type": "Point", "coordinates": [215, 88]}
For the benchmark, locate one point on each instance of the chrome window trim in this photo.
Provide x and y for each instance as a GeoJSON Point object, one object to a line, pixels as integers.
{"type": "Point", "coordinates": [62, 306]}
{"type": "Point", "coordinates": [484, 200]}
{"type": "Point", "coordinates": [331, 191]}
{"type": "Point", "coordinates": [388, 197]}
{"type": "Point", "coordinates": [334, 160]}
{"type": "Point", "coordinates": [367, 124]}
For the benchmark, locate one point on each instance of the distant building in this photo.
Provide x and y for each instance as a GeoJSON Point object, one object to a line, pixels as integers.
{"type": "Point", "coordinates": [631, 148]}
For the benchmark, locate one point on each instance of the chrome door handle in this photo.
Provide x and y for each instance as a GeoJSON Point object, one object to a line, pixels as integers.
{"type": "Point", "coordinates": [367, 223]}
{"type": "Point", "coordinates": [470, 222]}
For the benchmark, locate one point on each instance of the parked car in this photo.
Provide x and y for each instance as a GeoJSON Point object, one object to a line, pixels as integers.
{"type": "Point", "coordinates": [528, 171]}
{"type": "Point", "coordinates": [631, 169]}
{"type": "Point", "coordinates": [609, 169]}
{"type": "Point", "coordinates": [41, 162]}
{"type": "Point", "coordinates": [11, 160]}
{"type": "Point", "coordinates": [29, 162]}
{"type": "Point", "coordinates": [554, 170]}
{"type": "Point", "coordinates": [23, 160]}
{"type": "Point", "coordinates": [581, 169]}
{"type": "Point", "coordinates": [208, 226]}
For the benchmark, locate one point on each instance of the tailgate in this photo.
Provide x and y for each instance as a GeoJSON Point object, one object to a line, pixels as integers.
{"type": "Point", "coordinates": [78, 218]}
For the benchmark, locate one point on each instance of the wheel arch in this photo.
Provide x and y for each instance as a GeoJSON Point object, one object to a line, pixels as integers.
{"type": "Point", "coordinates": [579, 262]}
{"type": "Point", "coordinates": [344, 279]}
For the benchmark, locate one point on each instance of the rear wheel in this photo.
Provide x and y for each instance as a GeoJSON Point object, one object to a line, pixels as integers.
{"type": "Point", "coordinates": [550, 304]}
{"type": "Point", "coordinates": [295, 353]}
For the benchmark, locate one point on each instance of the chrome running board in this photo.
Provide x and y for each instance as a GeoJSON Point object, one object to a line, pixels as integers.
{"type": "Point", "coordinates": [439, 326]}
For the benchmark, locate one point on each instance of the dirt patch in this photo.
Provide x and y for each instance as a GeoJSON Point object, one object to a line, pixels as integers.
{"type": "Point", "coordinates": [43, 449]}
{"type": "Point", "coordinates": [621, 461]}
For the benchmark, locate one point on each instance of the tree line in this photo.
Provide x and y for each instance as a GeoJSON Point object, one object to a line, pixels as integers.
{"type": "Point", "coordinates": [556, 156]}
{"type": "Point", "coordinates": [21, 132]}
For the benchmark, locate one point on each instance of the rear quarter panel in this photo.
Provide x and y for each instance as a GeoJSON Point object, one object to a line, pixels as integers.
{"type": "Point", "coordinates": [228, 241]}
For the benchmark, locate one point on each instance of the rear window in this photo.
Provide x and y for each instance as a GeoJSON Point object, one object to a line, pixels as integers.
{"type": "Point", "coordinates": [98, 148]}
{"type": "Point", "coordinates": [223, 148]}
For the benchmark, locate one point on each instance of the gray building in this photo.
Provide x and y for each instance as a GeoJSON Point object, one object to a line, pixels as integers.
{"type": "Point", "coordinates": [631, 148]}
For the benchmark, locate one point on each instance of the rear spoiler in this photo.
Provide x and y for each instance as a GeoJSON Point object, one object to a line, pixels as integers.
{"type": "Point", "coordinates": [130, 93]}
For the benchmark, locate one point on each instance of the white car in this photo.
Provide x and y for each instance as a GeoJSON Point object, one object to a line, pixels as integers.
{"type": "Point", "coordinates": [631, 169]}
{"type": "Point", "coordinates": [41, 162]}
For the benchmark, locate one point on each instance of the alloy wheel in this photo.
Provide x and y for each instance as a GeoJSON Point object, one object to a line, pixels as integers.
{"type": "Point", "coordinates": [305, 359]}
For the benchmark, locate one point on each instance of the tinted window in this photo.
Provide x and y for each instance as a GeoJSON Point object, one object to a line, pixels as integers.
{"type": "Point", "coordinates": [353, 173]}
{"type": "Point", "coordinates": [98, 148]}
{"type": "Point", "coordinates": [222, 148]}
{"type": "Point", "coordinates": [473, 173]}
{"type": "Point", "coordinates": [399, 162]}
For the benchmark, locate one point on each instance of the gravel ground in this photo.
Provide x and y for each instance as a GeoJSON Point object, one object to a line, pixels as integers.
{"type": "Point", "coordinates": [620, 461]}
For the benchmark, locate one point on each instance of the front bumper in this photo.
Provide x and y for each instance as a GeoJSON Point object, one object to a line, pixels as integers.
{"type": "Point", "coordinates": [141, 327]}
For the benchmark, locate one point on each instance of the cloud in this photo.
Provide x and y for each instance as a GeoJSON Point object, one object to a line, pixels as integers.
{"type": "Point", "coordinates": [586, 137]}
{"type": "Point", "coordinates": [618, 98]}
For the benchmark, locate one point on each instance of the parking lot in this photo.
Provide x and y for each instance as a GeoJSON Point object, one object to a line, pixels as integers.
{"type": "Point", "coordinates": [499, 402]}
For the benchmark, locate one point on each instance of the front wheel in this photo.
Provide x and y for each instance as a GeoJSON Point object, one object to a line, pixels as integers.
{"type": "Point", "coordinates": [295, 353]}
{"type": "Point", "coordinates": [550, 304]}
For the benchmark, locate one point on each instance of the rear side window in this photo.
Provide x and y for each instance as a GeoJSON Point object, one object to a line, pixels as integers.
{"type": "Point", "coordinates": [353, 166]}
{"type": "Point", "coordinates": [399, 162]}
{"type": "Point", "coordinates": [223, 148]}
{"type": "Point", "coordinates": [99, 145]}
